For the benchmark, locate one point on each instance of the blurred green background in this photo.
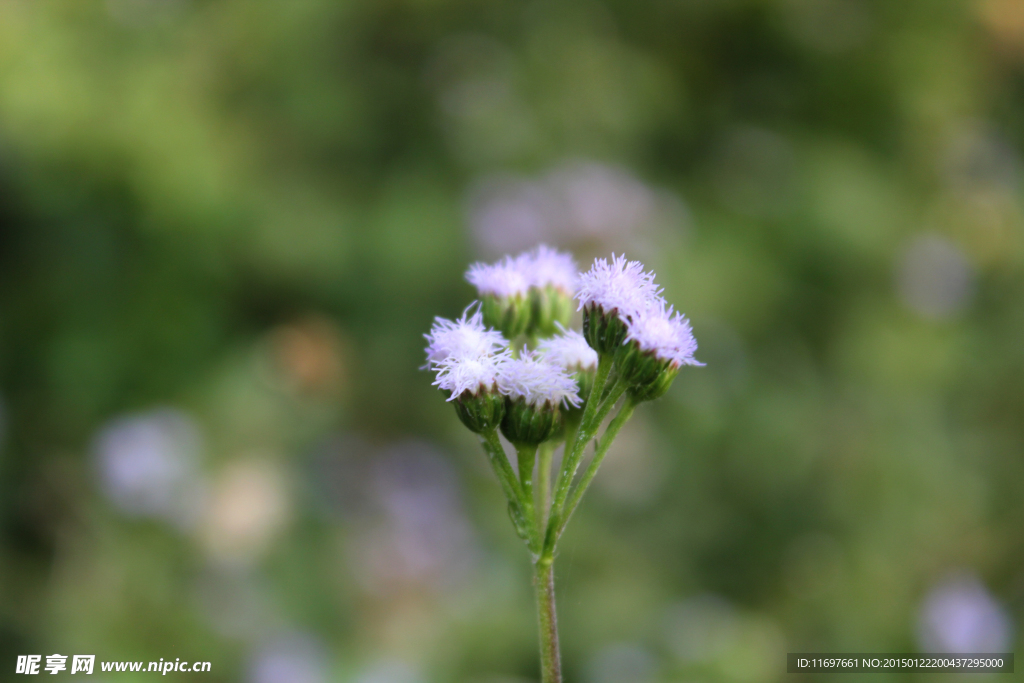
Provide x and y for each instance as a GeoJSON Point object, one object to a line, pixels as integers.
{"type": "Point", "coordinates": [225, 226]}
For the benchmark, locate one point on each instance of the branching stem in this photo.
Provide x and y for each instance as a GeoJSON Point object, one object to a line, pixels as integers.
{"type": "Point", "coordinates": [603, 444]}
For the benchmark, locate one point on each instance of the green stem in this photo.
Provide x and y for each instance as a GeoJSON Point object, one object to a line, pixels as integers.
{"type": "Point", "coordinates": [550, 660]}
{"type": "Point", "coordinates": [585, 435]}
{"type": "Point", "coordinates": [571, 420]}
{"type": "Point", "coordinates": [502, 468]}
{"type": "Point", "coordinates": [527, 456]}
{"type": "Point", "coordinates": [604, 443]}
{"type": "Point", "coordinates": [544, 456]}
{"type": "Point", "coordinates": [570, 462]}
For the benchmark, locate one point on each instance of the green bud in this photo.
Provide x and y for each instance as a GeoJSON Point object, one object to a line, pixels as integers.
{"type": "Point", "coordinates": [605, 332]}
{"type": "Point", "coordinates": [527, 424]}
{"type": "Point", "coordinates": [656, 388]}
{"type": "Point", "coordinates": [509, 314]}
{"type": "Point", "coordinates": [550, 306]}
{"type": "Point", "coordinates": [649, 376]}
{"type": "Point", "coordinates": [480, 412]}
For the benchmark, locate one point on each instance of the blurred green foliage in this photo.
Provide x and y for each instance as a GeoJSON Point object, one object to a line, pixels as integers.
{"type": "Point", "coordinates": [243, 214]}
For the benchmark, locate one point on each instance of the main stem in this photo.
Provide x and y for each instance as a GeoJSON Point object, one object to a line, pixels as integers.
{"type": "Point", "coordinates": [544, 582]}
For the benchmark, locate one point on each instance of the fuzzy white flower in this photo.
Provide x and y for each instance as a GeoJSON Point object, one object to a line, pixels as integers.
{"type": "Point", "coordinates": [537, 381]}
{"type": "Point", "coordinates": [569, 350]}
{"type": "Point", "coordinates": [511, 276]}
{"type": "Point", "coordinates": [620, 285]}
{"type": "Point", "coordinates": [465, 337]}
{"type": "Point", "coordinates": [506, 278]}
{"type": "Point", "coordinates": [458, 374]}
{"type": "Point", "coordinates": [545, 267]}
{"type": "Point", "coordinates": [665, 333]}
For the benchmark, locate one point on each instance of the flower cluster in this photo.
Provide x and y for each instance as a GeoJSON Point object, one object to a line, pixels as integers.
{"type": "Point", "coordinates": [511, 363]}
{"type": "Point", "coordinates": [483, 377]}
{"type": "Point", "coordinates": [625, 317]}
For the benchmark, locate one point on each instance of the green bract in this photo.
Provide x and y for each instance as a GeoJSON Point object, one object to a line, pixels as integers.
{"type": "Point", "coordinates": [530, 425]}
{"type": "Point", "coordinates": [604, 331]}
{"type": "Point", "coordinates": [654, 387]}
{"type": "Point", "coordinates": [511, 315]}
{"type": "Point", "coordinates": [480, 412]}
{"type": "Point", "coordinates": [551, 307]}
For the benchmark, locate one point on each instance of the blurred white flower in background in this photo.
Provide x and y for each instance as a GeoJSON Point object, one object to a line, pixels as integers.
{"type": "Point", "coordinates": [414, 531]}
{"type": "Point", "coordinates": [291, 658]}
{"type": "Point", "coordinates": [578, 201]}
{"type": "Point", "coordinates": [623, 663]}
{"type": "Point", "coordinates": [147, 465]}
{"type": "Point", "coordinates": [934, 278]}
{"type": "Point", "coordinates": [402, 509]}
{"type": "Point", "coordinates": [597, 200]}
{"type": "Point", "coordinates": [249, 505]}
{"type": "Point", "coordinates": [960, 615]}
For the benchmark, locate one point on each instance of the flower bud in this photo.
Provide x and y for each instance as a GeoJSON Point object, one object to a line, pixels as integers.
{"type": "Point", "coordinates": [604, 331]}
{"type": "Point", "coordinates": [535, 389]}
{"type": "Point", "coordinates": [570, 351]}
{"type": "Point", "coordinates": [530, 424]}
{"type": "Point", "coordinates": [658, 342]}
{"type": "Point", "coordinates": [480, 412]}
{"type": "Point", "coordinates": [528, 294]}
{"type": "Point", "coordinates": [511, 314]}
{"type": "Point", "coordinates": [551, 309]}
{"type": "Point", "coordinates": [638, 366]}
{"type": "Point", "coordinates": [471, 382]}
{"type": "Point", "coordinates": [609, 295]}
{"type": "Point", "coordinates": [655, 388]}
{"type": "Point", "coordinates": [463, 338]}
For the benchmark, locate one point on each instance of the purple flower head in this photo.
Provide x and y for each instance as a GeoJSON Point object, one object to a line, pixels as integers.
{"type": "Point", "coordinates": [547, 267]}
{"type": "Point", "coordinates": [620, 285]}
{"type": "Point", "coordinates": [458, 374]}
{"type": "Point", "coordinates": [665, 333]}
{"type": "Point", "coordinates": [537, 381]}
{"type": "Point", "coordinates": [568, 350]}
{"type": "Point", "coordinates": [512, 276]}
{"type": "Point", "coordinates": [465, 338]}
